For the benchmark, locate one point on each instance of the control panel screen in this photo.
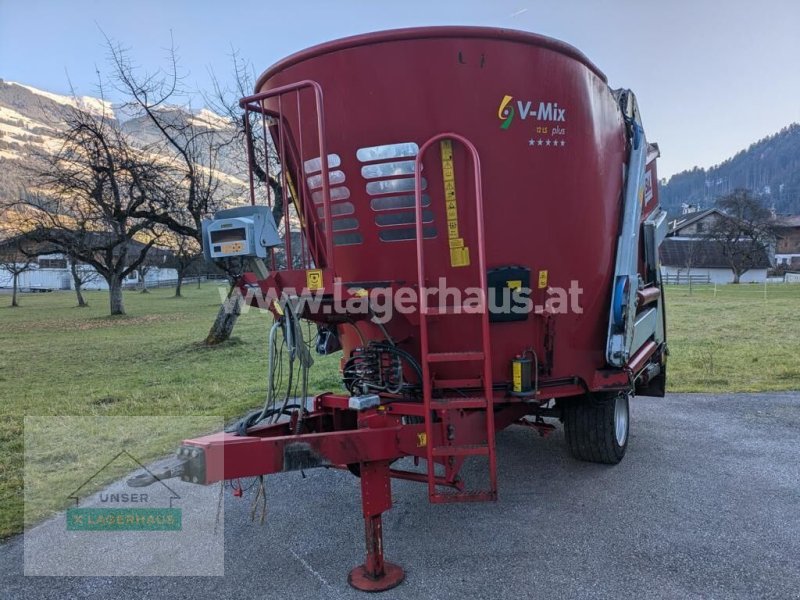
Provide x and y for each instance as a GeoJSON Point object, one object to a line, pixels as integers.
{"type": "Point", "coordinates": [228, 235]}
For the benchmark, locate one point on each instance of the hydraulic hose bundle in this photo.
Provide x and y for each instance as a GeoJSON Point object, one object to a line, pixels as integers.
{"type": "Point", "coordinates": [292, 353]}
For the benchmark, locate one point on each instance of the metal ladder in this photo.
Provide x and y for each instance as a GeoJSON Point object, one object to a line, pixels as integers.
{"type": "Point", "coordinates": [451, 452]}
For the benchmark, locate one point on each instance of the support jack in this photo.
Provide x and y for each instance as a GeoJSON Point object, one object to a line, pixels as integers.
{"type": "Point", "coordinates": [376, 574]}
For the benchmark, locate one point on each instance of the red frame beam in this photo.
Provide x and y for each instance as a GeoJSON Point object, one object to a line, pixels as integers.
{"type": "Point", "coordinates": [229, 456]}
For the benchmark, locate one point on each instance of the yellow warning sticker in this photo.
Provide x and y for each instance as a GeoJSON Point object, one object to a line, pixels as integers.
{"type": "Point", "coordinates": [516, 376]}
{"type": "Point", "coordinates": [314, 279]}
{"type": "Point", "coordinates": [459, 257]}
{"type": "Point", "coordinates": [542, 279]}
{"type": "Point", "coordinates": [456, 243]}
{"type": "Point", "coordinates": [422, 440]}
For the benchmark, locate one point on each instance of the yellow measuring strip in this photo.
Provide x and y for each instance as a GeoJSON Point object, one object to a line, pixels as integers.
{"type": "Point", "coordinates": [459, 253]}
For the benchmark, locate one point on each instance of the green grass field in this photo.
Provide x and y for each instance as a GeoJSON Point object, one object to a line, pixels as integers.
{"type": "Point", "coordinates": [733, 338]}
{"type": "Point", "coordinates": [58, 360]}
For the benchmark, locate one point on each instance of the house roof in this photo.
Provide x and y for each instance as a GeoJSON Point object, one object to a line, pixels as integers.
{"type": "Point", "coordinates": [14, 244]}
{"type": "Point", "coordinates": [699, 253]}
{"type": "Point", "coordinates": [693, 219]}
{"type": "Point", "coordinates": [35, 247]}
{"type": "Point", "coordinates": [788, 221]}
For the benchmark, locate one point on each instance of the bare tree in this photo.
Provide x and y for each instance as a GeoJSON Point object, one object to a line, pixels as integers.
{"type": "Point", "coordinates": [81, 275]}
{"type": "Point", "coordinates": [690, 258]}
{"type": "Point", "coordinates": [195, 148]}
{"type": "Point", "coordinates": [743, 232]}
{"type": "Point", "coordinates": [93, 189]}
{"type": "Point", "coordinates": [186, 254]}
{"type": "Point", "coordinates": [141, 273]}
{"type": "Point", "coordinates": [249, 139]}
{"type": "Point", "coordinates": [15, 223]}
{"type": "Point", "coordinates": [15, 261]}
{"type": "Point", "coordinates": [158, 258]}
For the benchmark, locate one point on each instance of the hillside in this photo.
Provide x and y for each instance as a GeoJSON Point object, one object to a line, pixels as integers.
{"type": "Point", "coordinates": [29, 119]}
{"type": "Point", "coordinates": [770, 167]}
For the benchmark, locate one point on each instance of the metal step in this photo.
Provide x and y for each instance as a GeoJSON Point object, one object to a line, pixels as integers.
{"type": "Point", "coordinates": [465, 356]}
{"type": "Point", "coordinates": [465, 450]}
{"type": "Point", "coordinates": [460, 403]}
{"type": "Point", "coordinates": [473, 496]}
{"type": "Point", "coordinates": [455, 384]}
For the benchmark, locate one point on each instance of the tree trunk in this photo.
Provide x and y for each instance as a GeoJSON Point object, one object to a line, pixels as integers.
{"type": "Point", "coordinates": [228, 313]}
{"type": "Point", "coordinates": [115, 295]}
{"type": "Point", "coordinates": [143, 282]}
{"type": "Point", "coordinates": [14, 301]}
{"type": "Point", "coordinates": [78, 283]}
{"type": "Point", "coordinates": [179, 285]}
{"type": "Point", "coordinates": [736, 276]}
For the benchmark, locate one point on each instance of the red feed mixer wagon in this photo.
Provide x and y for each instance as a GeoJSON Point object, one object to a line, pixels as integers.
{"type": "Point", "coordinates": [472, 216]}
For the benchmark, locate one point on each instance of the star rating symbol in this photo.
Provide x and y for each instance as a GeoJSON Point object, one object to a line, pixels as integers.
{"type": "Point", "coordinates": [544, 142]}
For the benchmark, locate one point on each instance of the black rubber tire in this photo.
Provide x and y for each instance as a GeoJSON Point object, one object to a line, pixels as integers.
{"type": "Point", "coordinates": [590, 428]}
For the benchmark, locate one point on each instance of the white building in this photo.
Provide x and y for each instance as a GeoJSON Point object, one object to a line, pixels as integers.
{"type": "Point", "coordinates": [688, 252]}
{"type": "Point", "coordinates": [52, 272]}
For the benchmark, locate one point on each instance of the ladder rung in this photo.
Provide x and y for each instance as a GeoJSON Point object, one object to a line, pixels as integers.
{"type": "Point", "coordinates": [467, 356]}
{"type": "Point", "coordinates": [459, 403]}
{"type": "Point", "coordinates": [479, 496]}
{"type": "Point", "coordinates": [454, 384]}
{"type": "Point", "coordinates": [465, 450]}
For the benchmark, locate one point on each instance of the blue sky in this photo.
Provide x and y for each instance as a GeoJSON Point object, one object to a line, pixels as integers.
{"type": "Point", "coordinates": [711, 76]}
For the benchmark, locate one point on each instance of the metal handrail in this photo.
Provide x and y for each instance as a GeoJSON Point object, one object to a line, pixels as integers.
{"type": "Point", "coordinates": [255, 103]}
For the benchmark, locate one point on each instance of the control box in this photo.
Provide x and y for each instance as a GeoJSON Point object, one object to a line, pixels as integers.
{"type": "Point", "coordinates": [241, 231]}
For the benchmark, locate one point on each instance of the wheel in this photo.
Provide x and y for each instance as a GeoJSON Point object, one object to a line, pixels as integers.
{"type": "Point", "coordinates": [596, 427]}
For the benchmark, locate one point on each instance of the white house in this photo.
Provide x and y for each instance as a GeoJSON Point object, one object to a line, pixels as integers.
{"type": "Point", "coordinates": [688, 251]}
{"type": "Point", "coordinates": [702, 260]}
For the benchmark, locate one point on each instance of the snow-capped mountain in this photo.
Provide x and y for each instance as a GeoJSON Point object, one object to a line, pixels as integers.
{"type": "Point", "coordinates": [29, 119]}
{"type": "Point", "coordinates": [87, 103]}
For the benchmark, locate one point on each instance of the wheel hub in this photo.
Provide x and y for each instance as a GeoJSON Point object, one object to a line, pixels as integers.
{"type": "Point", "coordinates": [621, 419]}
